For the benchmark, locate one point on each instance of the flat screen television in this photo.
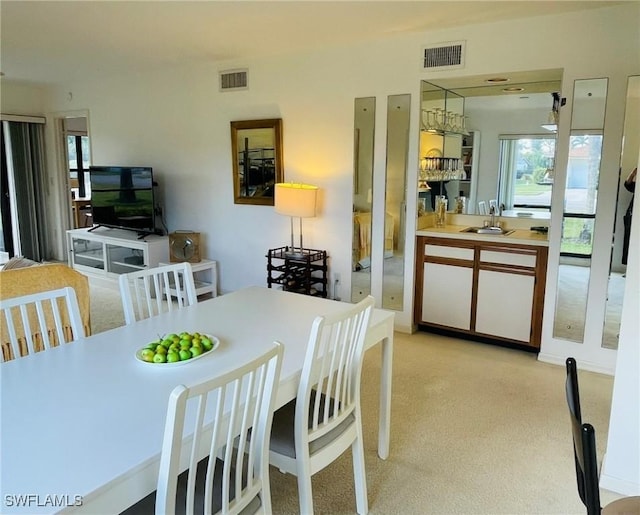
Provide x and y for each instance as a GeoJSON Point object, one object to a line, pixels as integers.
{"type": "Point", "coordinates": [122, 197]}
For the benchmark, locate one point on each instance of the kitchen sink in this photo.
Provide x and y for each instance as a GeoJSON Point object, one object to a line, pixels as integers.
{"type": "Point", "coordinates": [498, 231]}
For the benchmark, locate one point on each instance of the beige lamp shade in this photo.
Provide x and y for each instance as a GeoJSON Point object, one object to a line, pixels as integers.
{"type": "Point", "coordinates": [295, 199]}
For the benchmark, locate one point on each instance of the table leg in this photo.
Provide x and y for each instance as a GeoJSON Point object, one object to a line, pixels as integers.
{"type": "Point", "coordinates": [76, 216]}
{"type": "Point", "coordinates": [384, 428]}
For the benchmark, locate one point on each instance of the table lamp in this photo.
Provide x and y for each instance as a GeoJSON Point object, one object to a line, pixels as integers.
{"type": "Point", "coordinates": [295, 200]}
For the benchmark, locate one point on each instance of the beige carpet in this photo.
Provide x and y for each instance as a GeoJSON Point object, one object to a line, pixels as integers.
{"type": "Point", "coordinates": [476, 429]}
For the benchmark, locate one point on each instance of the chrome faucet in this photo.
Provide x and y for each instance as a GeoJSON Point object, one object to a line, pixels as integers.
{"type": "Point", "coordinates": [492, 212]}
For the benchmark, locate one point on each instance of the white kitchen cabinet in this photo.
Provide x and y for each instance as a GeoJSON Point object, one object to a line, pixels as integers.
{"type": "Point", "coordinates": [446, 295]}
{"type": "Point", "coordinates": [492, 291]}
{"type": "Point", "coordinates": [104, 254]}
{"type": "Point", "coordinates": [447, 286]}
{"type": "Point", "coordinates": [506, 292]}
{"type": "Point", "coordinates": [504, 305]}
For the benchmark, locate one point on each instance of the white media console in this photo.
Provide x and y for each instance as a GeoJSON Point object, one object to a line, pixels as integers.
{"type": "Point", "coordinates": [105, 253]}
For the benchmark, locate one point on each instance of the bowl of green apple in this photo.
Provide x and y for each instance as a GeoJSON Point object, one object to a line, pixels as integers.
{"type": "Point", "coordinates": [177, 348]}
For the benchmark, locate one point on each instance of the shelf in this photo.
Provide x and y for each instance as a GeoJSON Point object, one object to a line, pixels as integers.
{"type": "Point", "coordinates": [128, 265]}
{"type": "Point", "coordinates": [439, 132]}
{"type": "Point", "coordinates": [89, 257]}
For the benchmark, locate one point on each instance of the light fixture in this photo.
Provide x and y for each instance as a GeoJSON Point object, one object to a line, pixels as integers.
{"type": "Point", "coordinates": [295, 200]}
{"type": "Point", "coordinates": [552, 118]}
{"type": "Point", "coordinates": [513, 89]}
{"type": "Point", "coordinates": [497, 80]}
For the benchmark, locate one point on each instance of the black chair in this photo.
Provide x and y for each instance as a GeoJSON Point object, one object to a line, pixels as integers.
{"type": "Point", "coordinates": [584, 451]}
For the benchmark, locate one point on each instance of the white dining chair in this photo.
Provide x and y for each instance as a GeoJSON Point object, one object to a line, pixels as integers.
{"type": "Point", "coordinates": [228, 421]}
{"type": "Point", "coordinates": [39, 321]}
{"type": "Point", "coordinates": [150, 292]}
{"type": "Point", "coordinates": [317, 427]}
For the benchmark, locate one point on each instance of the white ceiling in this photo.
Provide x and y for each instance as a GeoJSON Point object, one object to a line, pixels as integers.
{"type": "Point", "coordinates": [48, 42]}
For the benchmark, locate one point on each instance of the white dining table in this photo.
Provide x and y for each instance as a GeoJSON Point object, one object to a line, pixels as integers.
{"type": "Point", "coordinates": [81, 424]}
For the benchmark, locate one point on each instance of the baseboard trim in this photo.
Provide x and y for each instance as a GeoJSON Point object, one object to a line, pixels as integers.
{"type": "Point", "coordinates": [617, 485]}
{"type": "Point", "coordinates": [584, 365]}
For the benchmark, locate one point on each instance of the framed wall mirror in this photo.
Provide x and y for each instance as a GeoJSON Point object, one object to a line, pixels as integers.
{"type": "Point", "coordinates": [580, 208]}
{"type": "Point", "coordinates": [364, 120]}
{"type": "Point", "coordinates": [398, 116]}
{"type": "Point", "coordinates": [256, 151]}
{"type": "Point", "coordinates": [622, 223]}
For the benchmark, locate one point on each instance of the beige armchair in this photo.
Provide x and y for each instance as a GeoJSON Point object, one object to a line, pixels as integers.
{"type": "Point", "coordinates": [38, 278]}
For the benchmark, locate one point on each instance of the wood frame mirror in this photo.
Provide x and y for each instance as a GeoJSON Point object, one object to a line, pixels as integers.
{"type": "Point", "coordinates": [256, 152]}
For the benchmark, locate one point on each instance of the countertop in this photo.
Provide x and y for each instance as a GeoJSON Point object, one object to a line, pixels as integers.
{"type": "Point", "coordinates": [518, 236]}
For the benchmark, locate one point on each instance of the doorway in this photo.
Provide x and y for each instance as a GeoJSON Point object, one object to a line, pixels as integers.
{"type": "Point", "coordinates": [77, 160]}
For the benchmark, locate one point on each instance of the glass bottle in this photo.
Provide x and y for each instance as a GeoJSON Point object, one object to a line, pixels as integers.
{"type": "Point", "coordinates": [441, 210]}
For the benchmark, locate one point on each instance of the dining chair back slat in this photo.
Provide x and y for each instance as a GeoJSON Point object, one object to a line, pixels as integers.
{"type": "Point", "coordinates": [585, 457]}
{"type": "Point", "coordinates": [37, 321]}
{"type": "Point", "coordinates": [232, 420]}
{"type": "Point", "coordinates": [214, 455]}
{"type": "Point", "coordinates": [151, 292]}
{"type": "Point", "coordinates": [324, 420]}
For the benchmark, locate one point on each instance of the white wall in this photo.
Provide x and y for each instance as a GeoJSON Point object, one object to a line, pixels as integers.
{"type": "Point", "coordinates": [621, 466]}
{"type": "Point", "coordinates": [177, 121]}
{"type": "Point", "coordinates": [22, 98]}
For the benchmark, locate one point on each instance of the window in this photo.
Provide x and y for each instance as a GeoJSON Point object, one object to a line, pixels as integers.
{"type": "Point", "coordinates": [581, 195]}
{"type": "Point", "coordinates": [78, 145]}
{"type": "Point", "coordinates": [72, 153]}
{"type": "Point", "coordinates": [526, 171]}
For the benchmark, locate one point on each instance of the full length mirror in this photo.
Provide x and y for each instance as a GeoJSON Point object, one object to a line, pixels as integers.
{"type": "Point", "coordinates": [256, 151]}
{"type": "Point", "coordinates": [507, 147]}
{"type": "Point", "coordinates": [622, 222]}
{"type": "Point", "coordinates": [363, 146]}
{"type": "Point", "coordinates": [579, 211]}
{"type": "Point", "coordinates": [398, 115]}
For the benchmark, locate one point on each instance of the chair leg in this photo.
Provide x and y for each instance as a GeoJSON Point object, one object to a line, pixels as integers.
{"type": "Point", "coordinates": [359, 475]}
{"type": "Point", "coordinates": [265, 496]}
{"type": "Point", "coordinates": [305, 494]}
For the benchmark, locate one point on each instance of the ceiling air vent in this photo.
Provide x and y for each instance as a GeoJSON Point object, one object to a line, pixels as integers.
{"type": "Point", "coordinates": [443, 56]}
{"type": "Point", "coordinates": [233, 80]}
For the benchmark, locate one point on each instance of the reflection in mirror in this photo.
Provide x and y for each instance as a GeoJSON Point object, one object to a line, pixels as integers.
{"type": "Point", "coordinates": [497, 117]}
{"type": "Point", "coordinates": [441, 166]}
{"type": "Point", "coordinates": [256, 149]}
{"type": "Point", "coordinates": [622, 223]}
{"type": "Point", "coordinates": [363, 143]}
{"type": "Point", "coordinates": [398, 110]}
{"type": "Point", "coordinates": [525, 173]}
{"type": "Point", "coordinates": [580, 202]}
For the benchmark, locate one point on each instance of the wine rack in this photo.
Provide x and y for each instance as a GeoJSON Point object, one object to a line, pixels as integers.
{"type": "Point", "coordinates": [304, 273]}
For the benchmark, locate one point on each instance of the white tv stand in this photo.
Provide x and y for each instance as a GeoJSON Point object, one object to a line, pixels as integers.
{"type": "Point", "coordinates": [103, 254]}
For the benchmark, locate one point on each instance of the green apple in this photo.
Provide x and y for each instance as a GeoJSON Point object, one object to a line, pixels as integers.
{"type": "Point", "coordinates": [147, 355]}
{"type": "Point", "coordinates": [159, 358]}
